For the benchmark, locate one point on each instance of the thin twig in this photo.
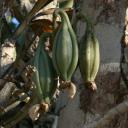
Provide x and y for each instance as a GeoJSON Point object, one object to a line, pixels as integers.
{"type": "Point", "coordinates": [17, 13]}
{"type": "Point", "coordinates": [23, 97]}
{"type": "Point", "coordinates": [21, 114]}
{"type": "Point", "coordinates": [48, 12]}
{"type": "Point", "coordinates": [35, 9]}
{"type": "Point", "coordinates": [6, 25]}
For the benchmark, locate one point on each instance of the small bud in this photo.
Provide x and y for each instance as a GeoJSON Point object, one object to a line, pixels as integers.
{"type": "Point", "coordinates": [91, 85]}
{"type": "Point", "coordinates": [44, 107]}
{"type": "Point", "coordinates": [71, 90]}
{"type": "Point", "coordinates": [34, 112]}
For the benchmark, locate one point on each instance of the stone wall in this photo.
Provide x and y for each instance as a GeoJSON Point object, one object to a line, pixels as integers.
{"type": "Point", "coordinates": [109, 28]}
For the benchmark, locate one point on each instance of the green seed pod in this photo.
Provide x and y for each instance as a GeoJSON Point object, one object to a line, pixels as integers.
{"type": "Point", "coordinates": [65, 52]}
{"type": "Point", "coordinates": [65, 48]}
{"type": "Point", "coordinates": [89, 56]}
{"type": "Point", "coordinates": [45, 75]}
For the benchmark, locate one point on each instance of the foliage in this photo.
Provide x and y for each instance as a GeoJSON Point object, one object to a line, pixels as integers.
{"type": "Point", "coordinates": [22, 23]}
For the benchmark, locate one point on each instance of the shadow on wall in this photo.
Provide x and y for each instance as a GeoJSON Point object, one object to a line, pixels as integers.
{"type": "Point", "coordinates": [109, 37]}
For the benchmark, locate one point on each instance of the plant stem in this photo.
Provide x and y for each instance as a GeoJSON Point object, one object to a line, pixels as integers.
{"type": "Point", "coordinates": [21, 114]}
{"type": "Point", "coordinates": [35, 9]}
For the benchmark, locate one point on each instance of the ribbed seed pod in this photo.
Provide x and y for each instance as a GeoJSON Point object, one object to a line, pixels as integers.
{"type": "Point", "coordinates": [45, 75]}
{"type": "Point", "coordinates": [65, 48]}
{"type": "Point", "coordinates": [89, 56]}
